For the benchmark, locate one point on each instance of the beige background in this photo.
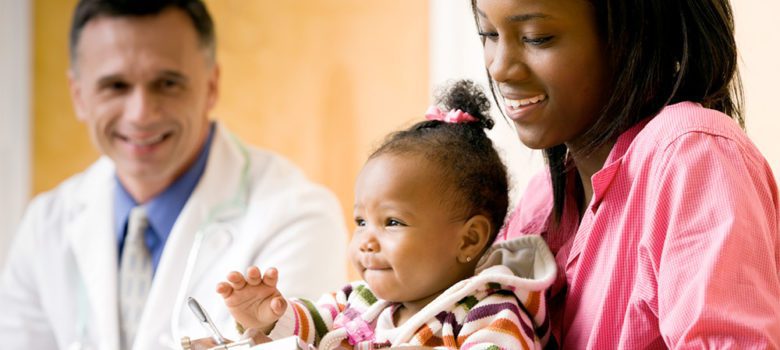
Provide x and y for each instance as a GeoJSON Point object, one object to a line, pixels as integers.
{"type": "Point", "coordinates": [758, 41]}
{"type": "Point", "coordinates": [318, 81]}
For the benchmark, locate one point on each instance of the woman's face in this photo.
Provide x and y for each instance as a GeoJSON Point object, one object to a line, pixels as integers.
{"type": "Point", "coordinates": [548, 62]}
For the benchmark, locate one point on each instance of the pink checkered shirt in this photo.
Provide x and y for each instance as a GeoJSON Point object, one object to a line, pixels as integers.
{"type": "Point", "coordinates": [679, 248]}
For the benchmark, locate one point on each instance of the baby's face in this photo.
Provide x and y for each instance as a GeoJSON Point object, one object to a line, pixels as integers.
{"type": "Point", "coordinates": [406, 242]}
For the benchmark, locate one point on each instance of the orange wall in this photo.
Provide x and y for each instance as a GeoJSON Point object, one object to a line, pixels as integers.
{"type": "Point", "coordinates": [319, 81]}
{"type": "Point", "coordinates": [60, 145]}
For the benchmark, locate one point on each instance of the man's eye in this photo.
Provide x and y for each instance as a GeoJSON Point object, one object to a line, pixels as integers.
{"type": "Point", "coordinates": [169, 85]}
{"type": "Point", "coordinates": [116, 86]}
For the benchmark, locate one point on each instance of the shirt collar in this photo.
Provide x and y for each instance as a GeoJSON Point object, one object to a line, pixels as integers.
{"type": "Point", "coordinates": [602, 179]}
{"type": "Point", "coordinates": [163, 210]}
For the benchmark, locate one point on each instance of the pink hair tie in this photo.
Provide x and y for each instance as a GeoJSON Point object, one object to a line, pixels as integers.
{"type": "Point", "coordinates": [454, 116]}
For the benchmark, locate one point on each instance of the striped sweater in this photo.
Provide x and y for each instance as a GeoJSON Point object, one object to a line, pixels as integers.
{"type": "Point", "coordinates": [498, 308]}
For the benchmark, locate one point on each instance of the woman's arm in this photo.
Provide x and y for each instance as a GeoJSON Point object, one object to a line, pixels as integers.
{"type": "Point", "coordinates": [714, 243]}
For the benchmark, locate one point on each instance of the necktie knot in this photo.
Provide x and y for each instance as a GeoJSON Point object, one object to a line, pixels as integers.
{"type": "Point", "coordinates": [136, 223]}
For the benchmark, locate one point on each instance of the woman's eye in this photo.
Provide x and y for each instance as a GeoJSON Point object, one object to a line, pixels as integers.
{"type": "Point", "coordinates": [537, 41]}
{"type": "Point", "coordinates": [491, 36]}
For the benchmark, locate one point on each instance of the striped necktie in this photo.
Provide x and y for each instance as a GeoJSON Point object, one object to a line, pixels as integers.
{"type": "Point", "coordinates": [135, 276]}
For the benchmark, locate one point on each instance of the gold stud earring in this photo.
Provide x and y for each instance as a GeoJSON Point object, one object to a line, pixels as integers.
{"type": "Point", "coordinates": [468, 259]}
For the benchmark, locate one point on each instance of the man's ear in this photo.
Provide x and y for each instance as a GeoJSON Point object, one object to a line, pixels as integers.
{"type": "Point", "coordinates": [474, 237]}
{"type": "Point", "coordinates": [213, 92]}
{"type": "Point", "coordinates": [74, 86]}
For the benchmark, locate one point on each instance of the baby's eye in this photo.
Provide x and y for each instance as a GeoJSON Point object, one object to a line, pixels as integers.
{"type": "Point", "coordinates": [394, 222]}
{"type": "Point", "coordinates": [360, 222]}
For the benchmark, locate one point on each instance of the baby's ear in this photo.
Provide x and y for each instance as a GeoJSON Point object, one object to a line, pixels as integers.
{"type": "Point", "coordinates": [474, 238]}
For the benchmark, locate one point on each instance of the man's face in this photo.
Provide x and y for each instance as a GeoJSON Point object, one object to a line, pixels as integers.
{"type": "Point", "coordinates": [144, 88]}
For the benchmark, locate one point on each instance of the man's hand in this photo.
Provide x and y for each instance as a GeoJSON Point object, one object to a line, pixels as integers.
{"type": "Point", "coordinates": [253, 300]}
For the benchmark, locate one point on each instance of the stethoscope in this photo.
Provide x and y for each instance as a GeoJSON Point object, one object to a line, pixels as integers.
{"type": "Point", "coordinates": [238, 202]}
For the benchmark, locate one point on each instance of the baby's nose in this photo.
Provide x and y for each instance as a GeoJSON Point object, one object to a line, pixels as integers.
{"type": "Point", "coordinates": [369, 246]}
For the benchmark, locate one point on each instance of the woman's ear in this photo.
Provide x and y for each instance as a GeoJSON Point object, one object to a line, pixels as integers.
{"type": "Point", "coordinates": [474, 237]}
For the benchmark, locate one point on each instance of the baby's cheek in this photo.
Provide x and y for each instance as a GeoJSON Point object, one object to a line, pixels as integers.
{"type": "Point", "coordinates": [352, 254]}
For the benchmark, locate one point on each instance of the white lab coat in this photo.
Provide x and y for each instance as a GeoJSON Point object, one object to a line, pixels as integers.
{"type": "Point", "coordinates": [59, 286]}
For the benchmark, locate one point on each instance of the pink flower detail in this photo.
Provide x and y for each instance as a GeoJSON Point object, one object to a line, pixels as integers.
{"type": "Point", "coordinates": [358, 330]}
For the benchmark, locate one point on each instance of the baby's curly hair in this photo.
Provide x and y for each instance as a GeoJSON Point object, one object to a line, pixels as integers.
{"type": "Point", "coordinates": [472, 172]}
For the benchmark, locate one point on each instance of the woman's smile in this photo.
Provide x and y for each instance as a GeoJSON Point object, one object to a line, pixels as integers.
{"type": "Point", "coordinates": [519, 109]}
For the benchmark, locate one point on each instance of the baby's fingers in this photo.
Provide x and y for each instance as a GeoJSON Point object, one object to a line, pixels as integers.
{"type": "Point", "coordinates": [236, 280]}
{"type": "Point", "coordinates": [278, 306]}
{"type": "Point", "coordinates": [270, 277]}
{"type": "Point", "coordinates": [253, 276]}
{"type": "Point", "coordinates": [224, 289]}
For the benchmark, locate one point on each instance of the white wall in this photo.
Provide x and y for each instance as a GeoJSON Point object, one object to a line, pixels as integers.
{"type": "Point", "coordinates": [14, 116]}
{"type": "Point", "coordinates": [457, 53]}
{"type": "Point", "coordinates": [758, 40]}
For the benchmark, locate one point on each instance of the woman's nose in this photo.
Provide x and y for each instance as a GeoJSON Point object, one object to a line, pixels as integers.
{"type": "Point", "coordinates": [505, 64]}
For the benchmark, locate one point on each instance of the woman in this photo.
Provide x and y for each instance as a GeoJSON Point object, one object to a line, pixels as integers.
{"type": "Point", "coordinates": [662, 215]}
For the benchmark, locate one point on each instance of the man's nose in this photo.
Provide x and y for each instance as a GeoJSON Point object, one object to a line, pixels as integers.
{"type": "Point", "coordinates": [140, 106]}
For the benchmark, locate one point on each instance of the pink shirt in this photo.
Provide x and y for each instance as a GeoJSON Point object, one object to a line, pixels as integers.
{"type": "Point", "coordinates": [679, 246]}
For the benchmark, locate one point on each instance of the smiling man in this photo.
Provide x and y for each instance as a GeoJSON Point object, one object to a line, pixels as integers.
{"type": "Point", "coordinates": [107, 259]}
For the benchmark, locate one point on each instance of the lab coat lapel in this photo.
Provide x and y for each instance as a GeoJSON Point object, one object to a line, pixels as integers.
{"type": "Point", "coordinates": [89, 235]}
{"type": "Point", "coordinates": [202, 215]}
{"type": "Point", "coordinates": [219, 199]}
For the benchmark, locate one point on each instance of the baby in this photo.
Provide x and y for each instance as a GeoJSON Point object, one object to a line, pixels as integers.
{"type": "Point", "coordinates": [428, 205]}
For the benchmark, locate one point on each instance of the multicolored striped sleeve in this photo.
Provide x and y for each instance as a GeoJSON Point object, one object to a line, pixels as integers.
{"type": "Point", "coordinates": [500, 321]}
{"type": "Point", "coordinates": [310, 321]}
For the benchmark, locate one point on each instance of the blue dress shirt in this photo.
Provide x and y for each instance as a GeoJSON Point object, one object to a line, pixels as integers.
{"type": "Point", "coordinates": [163, 210]}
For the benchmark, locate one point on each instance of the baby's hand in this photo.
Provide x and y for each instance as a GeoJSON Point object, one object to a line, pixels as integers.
{"type": "Point", "coordinates": [253, 300]}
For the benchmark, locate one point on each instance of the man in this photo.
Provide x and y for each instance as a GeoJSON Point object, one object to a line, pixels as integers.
{"type": "Point", "coordinates": [107, 259]}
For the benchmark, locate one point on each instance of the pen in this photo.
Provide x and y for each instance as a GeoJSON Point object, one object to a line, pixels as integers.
{"type": "Point", "coordinates": [205, 320]}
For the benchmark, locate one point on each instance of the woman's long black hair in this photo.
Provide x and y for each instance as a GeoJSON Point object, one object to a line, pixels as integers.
{"type": "Point", "coordinates": [660, 52]}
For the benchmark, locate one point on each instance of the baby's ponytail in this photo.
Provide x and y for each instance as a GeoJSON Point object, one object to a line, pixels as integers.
{"type": "Point", "coordinates": [454, 137]}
